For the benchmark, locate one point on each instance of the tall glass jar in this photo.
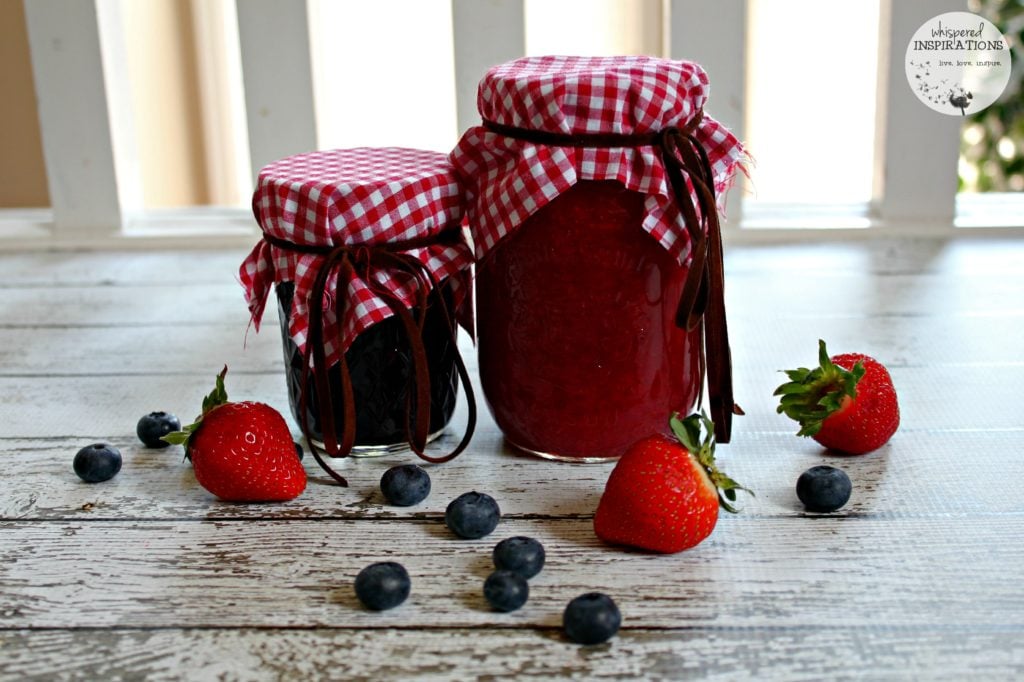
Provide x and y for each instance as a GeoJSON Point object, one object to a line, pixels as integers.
{"type": "Point", "coordinates": [580, 355]}
{"type": "Point", "coordinates": [366, 251]}
{"type": "Point", "coordinates": [584, 251]}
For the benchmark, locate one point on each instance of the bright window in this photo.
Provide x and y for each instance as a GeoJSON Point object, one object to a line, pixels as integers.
{"type": "Point", "coordinates": [383, 73]}
{"type": "Point", "coordinates": [812, 76]}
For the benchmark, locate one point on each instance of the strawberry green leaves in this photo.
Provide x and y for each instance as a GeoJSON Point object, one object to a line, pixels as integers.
{"type": "Point", "coordinates": [812, 395]}
{"type": "Point", "coordinates": [217, 397]}
{"type": "Point", "coordinates": [696, 433]}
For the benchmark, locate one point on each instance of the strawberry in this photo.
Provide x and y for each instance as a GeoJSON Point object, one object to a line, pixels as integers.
{"type": "Point", "coordinates": [242, 452]}
{"type": "Point", "coordinates": [847, 403]}
{"type": "Point", "coordinates": [664, 493]}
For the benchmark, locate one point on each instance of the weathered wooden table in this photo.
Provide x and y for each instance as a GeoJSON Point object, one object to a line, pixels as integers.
{"type": "Point", "coordinates": [147, 575]}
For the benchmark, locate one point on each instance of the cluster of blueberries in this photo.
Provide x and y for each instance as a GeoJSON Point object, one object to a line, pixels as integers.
{"type": "Point", "coordinates": [101, 461]}
{"type": "Point", "coordinates": [591, 618]}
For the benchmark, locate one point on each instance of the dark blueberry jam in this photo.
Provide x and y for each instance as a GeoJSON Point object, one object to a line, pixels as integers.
{"type": "Point", "coordinates": [379, 363]}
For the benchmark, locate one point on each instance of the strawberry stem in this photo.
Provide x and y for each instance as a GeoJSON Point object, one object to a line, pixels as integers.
{"type": "Point", "coordinates": [217, 397]}
{"type": "Point", "coordinates": [813, 395]}
{"type": "Point", "coordinates": [689, 433]}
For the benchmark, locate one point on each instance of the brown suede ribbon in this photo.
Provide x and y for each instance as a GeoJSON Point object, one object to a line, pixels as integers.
{"type": "Point", "coordinates": [702, 302]}
{"type": "Point", "coordinates": [361, 260]}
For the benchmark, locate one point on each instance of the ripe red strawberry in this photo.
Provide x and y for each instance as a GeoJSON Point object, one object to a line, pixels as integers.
{"type": "Point", "coordinates": [242, 452]}
{"type": "Point", "coordinates": [664, 494]}
{"type": "Point", "coordinates": [848, 403]}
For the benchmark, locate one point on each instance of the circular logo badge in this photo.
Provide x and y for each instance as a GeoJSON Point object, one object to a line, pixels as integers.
{"type": "Point", "coordinates": [958, 63]}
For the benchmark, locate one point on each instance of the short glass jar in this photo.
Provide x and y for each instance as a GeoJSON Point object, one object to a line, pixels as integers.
{"type": "Point", "coordinates": [379, 363]}
{"type": "Point", "coordinates": [366, 251]}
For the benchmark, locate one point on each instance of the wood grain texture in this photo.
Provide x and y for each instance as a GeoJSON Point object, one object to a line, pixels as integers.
{"type": "Point", "coordinates": [148, 576]}
{"type": "Point", "coordinates": [919, 475]}
{"type": "Point", "coordinates": [985, 397]}
{"type": "Point", "coordinates": [876, 653]}
{"type": "Point", "coordinates": [751, 572]}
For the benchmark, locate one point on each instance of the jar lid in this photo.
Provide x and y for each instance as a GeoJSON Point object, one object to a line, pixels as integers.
{"type": "Point", "coordinates": [357, 196]}
{"type": "Point", "coordinates": [313, 205]}
{"type": "Point", "coordinates": [506, 179]}
{"type": "Point", "coordinates": [622, 95]}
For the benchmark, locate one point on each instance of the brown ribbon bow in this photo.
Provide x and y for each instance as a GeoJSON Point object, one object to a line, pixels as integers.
{"type": "Point", "coordinates": [702, 302]}
{"type": "Point", "coordinates": [361, 259]}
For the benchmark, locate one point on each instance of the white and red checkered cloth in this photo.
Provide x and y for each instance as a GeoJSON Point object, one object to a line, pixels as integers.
{"type": "Point", "coordinates": [507, 180]}
{"type": "Point", "coordinates": [349, 197]}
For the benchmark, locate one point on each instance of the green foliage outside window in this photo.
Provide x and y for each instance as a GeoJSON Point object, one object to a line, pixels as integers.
{"type": "Point", "coordinates": [992, 143]}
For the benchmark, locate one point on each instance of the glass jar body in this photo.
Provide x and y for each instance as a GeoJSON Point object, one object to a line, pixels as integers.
{"type": "Point", "coordinates": [579, 352]}
{"type": "Point", "coordinates": [379, 364]}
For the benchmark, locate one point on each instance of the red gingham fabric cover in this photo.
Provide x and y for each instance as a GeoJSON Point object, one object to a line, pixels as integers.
{"type": "Point", "coordinates": [352, 196]}
{"type": "Point", "coordinates": [507, 180]}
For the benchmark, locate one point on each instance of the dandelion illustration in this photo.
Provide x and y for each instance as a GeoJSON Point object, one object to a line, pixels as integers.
{"type": "Point", "coordinates": [938, 93]}
{"type": "Point", "coordinates": [960, 98]}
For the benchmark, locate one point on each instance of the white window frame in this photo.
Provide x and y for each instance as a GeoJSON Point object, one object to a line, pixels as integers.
{"type": "Point", "coordinates": [93, 170]}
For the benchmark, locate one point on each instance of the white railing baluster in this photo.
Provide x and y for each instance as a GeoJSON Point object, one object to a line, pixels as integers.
{"type": "Point", "coordinates": [88, 137]}
{"type": "Point", "coordinates": [916, 149]}
{"type": "Point", "coordinates": [277, 72]}
{"type": "Point", "coordinates": [717, 40]}
{"type": "Point", "coordinates": [485, 33]}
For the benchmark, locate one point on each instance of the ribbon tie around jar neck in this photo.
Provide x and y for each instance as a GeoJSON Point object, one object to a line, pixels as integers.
{"type": "Point", "coordinates": [361, 260]}
{"type": "Point", "coordinates": [702, 302]}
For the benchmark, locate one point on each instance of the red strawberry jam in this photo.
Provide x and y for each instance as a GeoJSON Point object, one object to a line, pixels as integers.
{"type": "Point", "coordinates": [580, 356]}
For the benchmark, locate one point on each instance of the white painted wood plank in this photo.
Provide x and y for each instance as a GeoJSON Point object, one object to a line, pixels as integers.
{"type": "Point", "coordinates": [225, 131]}
{"type": "Point", "coordinates": [916, 149]}
{"type": "Point", "coordinates": [830, 296]}
{"type": "Point", "coordinates": [766, 344]}
{"type": "Point", "coordinates": [751, 572]}
{"type": "Point", "coordinates": [485, 33]}
{"type": "Point", "coordinates": [717, 40]}
{"type": "Point", "coordinates": [880, 653]}
{"type": "Point", "coordinates": [143, 350]}
{"type": "Point", "coordinates": [922, 474]}
{"type": "Point", "coordinates": [108, 268]}
{"type": "Point", "coordinates": [853, 294]}
{"type": "Point", "coordinates": [88, 167]}
{"type": "Point", "coordinates": [277, 73]}
{"type": "Point", "coordinates": [936, 398]}
{"type": "Point", "coordinates": [120, 107]}
{"type": "Point", "coordinates": [180, 304]}
{"type": "Point", "coordinates": [955, 258]}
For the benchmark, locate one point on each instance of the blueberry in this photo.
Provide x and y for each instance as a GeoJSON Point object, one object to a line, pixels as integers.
{"type": "Point", "coordinates": [97, 462]}
{"type": "Point", "coordinates": [298, 450]}
{"type": "Point", "coordinates": [591, 618]}
{"type": "Point", "coordinates": [383, 585]}
{"type": "Point", "coordinates": [506, 591]}
{"type": "Point", "coordinates": [405, 485]}
{"type": "Point", "coordinates": [522, 555]}
{"type": "Point", "coordinates": [472, 515]}
{"type": "Point", "coordinates": [155, 426]}
{"type": "Point", "coordinates": [823, 488]}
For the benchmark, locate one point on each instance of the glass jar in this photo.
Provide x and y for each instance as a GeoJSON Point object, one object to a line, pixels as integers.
{"type": "Point", "coordinates": [379, 363]}
{"type": "Point", "coordinates": [580, 355]}
{"type": "Point", "coordinates": [366, 251]}
{"type": "Point", "coordinates": [591, 198]}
